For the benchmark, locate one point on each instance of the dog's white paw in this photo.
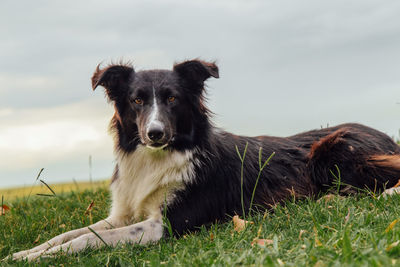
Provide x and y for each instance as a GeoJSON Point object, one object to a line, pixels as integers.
{"type": "Point", "coordinates": [19, 255]}
{"type": "Point", "coordinates": [37, 255]}
{"type": "Point", "coordinates": [390, 192]}
{"type": "Point", "coordinates": [5, 259]}
{"type": "Point", "coordinates": [23, 255]}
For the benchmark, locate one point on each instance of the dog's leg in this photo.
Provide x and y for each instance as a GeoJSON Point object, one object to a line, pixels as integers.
{"type": "Point", "coordinates": [390, 191]}
{"type": "Point", "coordinates": [144, 232]}
{"type": "Point", "coordinates": [65, 237]}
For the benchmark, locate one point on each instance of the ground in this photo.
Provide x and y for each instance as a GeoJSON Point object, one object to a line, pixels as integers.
{"type": "Point", "coordinates": [355, 230]}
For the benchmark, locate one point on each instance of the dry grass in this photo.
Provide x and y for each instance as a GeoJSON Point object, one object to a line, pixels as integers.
{"type": "Point", "coordinates": [11, 194]}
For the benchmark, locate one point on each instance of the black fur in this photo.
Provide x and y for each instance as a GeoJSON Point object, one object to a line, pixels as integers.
{"type": "Point", "coordinates": [302, 164]}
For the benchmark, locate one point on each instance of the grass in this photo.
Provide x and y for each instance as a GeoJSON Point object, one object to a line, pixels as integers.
{"type": "Point", "coordinates": [334, 231]}
{"type": "Point", "coordinates": [11, 194]}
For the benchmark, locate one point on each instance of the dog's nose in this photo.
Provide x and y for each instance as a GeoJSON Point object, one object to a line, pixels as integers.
{"type": "Point", "coordinates": [155, 133]}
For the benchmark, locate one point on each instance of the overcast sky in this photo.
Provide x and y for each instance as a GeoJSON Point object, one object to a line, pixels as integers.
{"type": "Point", "coordinates": [285, 67]}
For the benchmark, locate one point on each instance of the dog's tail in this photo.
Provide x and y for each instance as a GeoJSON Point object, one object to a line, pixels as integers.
{"type": "Point", "coordinates": [343, 155]}
{"type": "Point", "coordinates": [386, 166]}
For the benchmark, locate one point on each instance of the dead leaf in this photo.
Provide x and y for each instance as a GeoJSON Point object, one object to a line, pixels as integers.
{"type": "Point", "coordinates": [329, 197]}
{"type": "Point", "coordinates": [319, 264]}
{"type": "Point", "coordinates": [212, 237]}
{"type": "Point", "coordinates": [346, 219]}
{"type": "Point", "coordinates": [280, 262]}
{"type": "Point", "coordinates": [301, 233]}
{"type": "Point", "coordinates": [329, 228]}
{"type": "Point", "coordinates": [317, 242]}
{"type": "Point", "coordinates": [239, 224]}
{"type": "Point", "coordinates": [391, 225]}
{"type": "Point", "coordinates": [394, 244]}
{"type": "Point", "coordinates": [89, 208]}
{"type": "Point", "coordinates": [37, 240]}
{"type": "Point", "coordinates": [4, 209]}
{"type": "Point", "coordinates": [262, 242]}
{"type": "Point", "coordinates": [326, 198]}
{"type": "Point", "coordinates": [62, 226]}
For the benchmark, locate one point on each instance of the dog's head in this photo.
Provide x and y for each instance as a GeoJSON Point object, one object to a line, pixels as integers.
{"type": "Point", "coordinates": [157, 108]}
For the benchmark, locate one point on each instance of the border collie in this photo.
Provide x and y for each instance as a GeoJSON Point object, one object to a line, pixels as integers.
{"type": "Point", "coordinates": [171, 160]}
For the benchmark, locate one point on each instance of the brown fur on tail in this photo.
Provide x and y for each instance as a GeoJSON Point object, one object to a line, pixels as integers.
{"type": "Point", "coordinates": [387, 167]}
{"type": "Point", "coordinates": [386, 161]}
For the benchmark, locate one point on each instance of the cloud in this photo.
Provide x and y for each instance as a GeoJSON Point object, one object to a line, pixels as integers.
{"type": "Point", "coordinates": [285, 67]}
{"type": "Point", "coordinates": [45, 137]}
{"type": "Point", "coordinates": [18, 82]}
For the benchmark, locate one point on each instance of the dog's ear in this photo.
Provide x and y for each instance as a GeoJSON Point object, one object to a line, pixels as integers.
{"type": "Point", "coordinates": [196, 71]}
{"type": "Point", "coordinates": [114, 78]}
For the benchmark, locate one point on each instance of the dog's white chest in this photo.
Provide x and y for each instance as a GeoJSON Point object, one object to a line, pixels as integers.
{"type": "Point", "coordinates": [147, 179]}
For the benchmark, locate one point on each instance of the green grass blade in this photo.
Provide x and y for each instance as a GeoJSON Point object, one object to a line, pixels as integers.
{"type": "Point", "coordinates": [242, 176]}
{"type": "Point", "coordinates": [43, 182]}
{"type": "Point", "coordinates": [37, 178]}
{"type": "Point", "coordinates": [98, 236]}
{"type": "Point", "coordinates": [259, 175]}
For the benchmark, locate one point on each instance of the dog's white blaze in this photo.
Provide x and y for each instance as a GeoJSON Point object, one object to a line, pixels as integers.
{"type": "Point", "coordinates": [153, 119]}
{"type": "Point", "coordinates": [147, 178]}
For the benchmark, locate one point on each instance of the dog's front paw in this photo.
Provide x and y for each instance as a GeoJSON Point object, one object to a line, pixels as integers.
{"type": "Point", "coordinates": [25, 255]}
{"type": "Point", "coordinates": [21, 255]}
{"type": "Point", "coordinates": [18, 255]}
{"type": "Point", "coordinates": [36, 256]}
{"type": "Point", "coordinates": [6, 259]}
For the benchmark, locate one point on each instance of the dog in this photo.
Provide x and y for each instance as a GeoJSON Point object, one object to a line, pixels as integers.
{"type": "Point", "coordinates": [174, 167]}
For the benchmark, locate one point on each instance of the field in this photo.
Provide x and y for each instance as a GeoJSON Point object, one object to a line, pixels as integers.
{"type": "Point", "coordinates": [10, 194]}
{"type": "Point", "coordinates": [357, 230]}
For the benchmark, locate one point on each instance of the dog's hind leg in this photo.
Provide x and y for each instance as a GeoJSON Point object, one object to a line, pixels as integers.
{"type": "Point", "coordinates": [388, 165]}
{"type": "Point", "coordinates": [391, 191]}
{"type": "Point", "coordinates": [356, 158]}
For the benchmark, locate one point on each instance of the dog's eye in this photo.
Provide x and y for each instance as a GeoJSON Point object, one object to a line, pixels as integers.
{"type": "Point", "coordinates": [171, 99]}
{"type": "Point", "coordinates": [139, 101]}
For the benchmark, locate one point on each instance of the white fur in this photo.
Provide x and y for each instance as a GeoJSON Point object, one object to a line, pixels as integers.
{"type": "Point", "coordinates": [146, 180]}
{"type": "Point", "coordinates": [390, 192]}
{"type": "Point", "coordinates": [153, 118]}
{"type": "Point", "coordinates": [144, 232]}
{"type": "Point", "coordinates": [65, 237]}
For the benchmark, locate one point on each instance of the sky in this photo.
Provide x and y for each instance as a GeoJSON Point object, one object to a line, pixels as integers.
{"type": "Point", "coordinates": [285, 67]}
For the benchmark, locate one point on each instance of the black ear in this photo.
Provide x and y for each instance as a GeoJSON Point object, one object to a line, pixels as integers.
{"type": "Point", "coordinates": [114, 78]}
{"type": "Point", "coordinates": [196, 71]}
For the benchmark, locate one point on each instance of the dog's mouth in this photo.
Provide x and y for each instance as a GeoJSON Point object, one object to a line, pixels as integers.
{"type": "Point", "coordinates": [160, 145]}
{"type": "Point", "coordinates": [157, 146]}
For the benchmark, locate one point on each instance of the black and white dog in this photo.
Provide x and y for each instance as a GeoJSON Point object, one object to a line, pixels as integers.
{"type": "Point", "coordinates": [172, 160]}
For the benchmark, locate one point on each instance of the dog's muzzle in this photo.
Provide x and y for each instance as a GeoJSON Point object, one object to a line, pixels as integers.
{"type": "Point", "coordinates": [156, 136]}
